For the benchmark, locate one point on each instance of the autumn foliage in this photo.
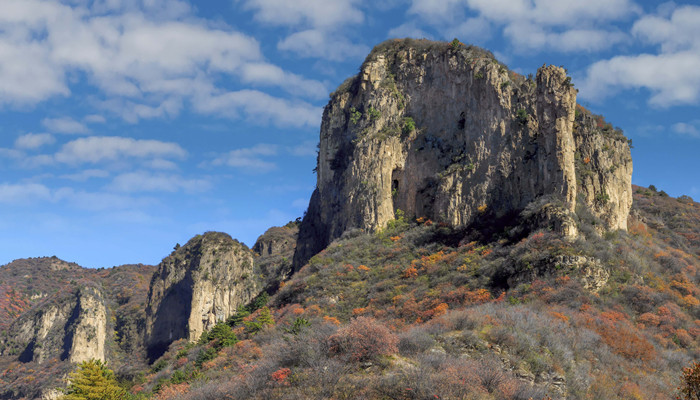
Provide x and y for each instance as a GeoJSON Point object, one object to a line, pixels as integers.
{"type": "Point", "coordinates": [363, 339]}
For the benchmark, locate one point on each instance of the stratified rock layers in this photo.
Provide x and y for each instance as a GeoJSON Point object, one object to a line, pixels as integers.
{"type": "Point", "coordinates": [448, 133]}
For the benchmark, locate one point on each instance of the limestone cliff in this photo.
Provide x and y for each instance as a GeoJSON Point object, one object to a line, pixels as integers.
{"type": "Point", "coordinates": [603, 168]}
{"type": "Point", "coordinates": [73, 326]}
{"type": "Point", "coordinates": [447, 132]}
{"type": "Point", "coordinates": [198, 285]}
{"type": "Point", "coordinates": [274, 253]}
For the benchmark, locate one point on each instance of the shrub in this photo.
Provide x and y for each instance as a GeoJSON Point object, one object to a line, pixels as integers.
{"type": "Point", "coordinates": [355, 115]}
{"type": "Point", "coordinates": [374, 114]}
{"type": "Point", "coordinates": [522, 116]}
{"type": "Point", "coordinates": [414, 341]}
{"type": "Point", "coordinates": [408, 125]}
{"type": "Point", "coordinates": [689, 388]}
{"type": "Point", "coordinates": [364, 339]}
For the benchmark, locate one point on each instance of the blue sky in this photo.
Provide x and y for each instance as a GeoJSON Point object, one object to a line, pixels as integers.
{"type": "Point", "coordinates": [132, 125]}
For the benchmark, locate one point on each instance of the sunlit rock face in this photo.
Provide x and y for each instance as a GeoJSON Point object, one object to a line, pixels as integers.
{"type": "Point", "coordinates": [448, 133]}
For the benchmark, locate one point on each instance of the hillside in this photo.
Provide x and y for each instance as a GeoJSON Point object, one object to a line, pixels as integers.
{"type": "Point", "coordinates": [40, 341]}
{"type": "Point", "coordinates": [474, 234]}
{"type": "Point", "coordinates": [420, 310]}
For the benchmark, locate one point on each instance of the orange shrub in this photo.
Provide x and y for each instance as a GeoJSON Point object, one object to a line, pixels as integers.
{"type": "Point", "coordinates": [410, 272]}
{"type": "Point", "coordinates": [690, 301]}
{"type": "Point", "coordinates": [559, 316]}
{"type": "Point", "coordinates": [363, 339]}
{"type": "Point", "coordinates": [280, 376]}
{"type": "Point", "coordinates": [478, 296]}
{"type": "Point", "coordinates": [363, 268]}
{"type": "Point", "coordinates": [649, 319]}
{"type": "Point", "coordinates": [359, 311]}
{"type": "Point", "coordinates": [440, 309]}
{"type": "Point", "coordinates": [331, 320]}
{"type": "Point", "coordinates": [172, 391]}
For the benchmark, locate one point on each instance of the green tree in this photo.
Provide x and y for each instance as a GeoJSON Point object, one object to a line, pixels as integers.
{"type": "Point", "coordinates": [92, 380]}
{"type": "Point", "coordinates": [261, 321]}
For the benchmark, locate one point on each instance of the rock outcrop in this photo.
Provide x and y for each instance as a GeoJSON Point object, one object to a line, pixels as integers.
{"type": "Point", "coordinates": [198, 285]}
{"type": "Point", "coordinates": [72, 326]}
{"type": "Point", "coordinates": [274, 254]}
{"type": "Point", "coordinates": [447, 132]}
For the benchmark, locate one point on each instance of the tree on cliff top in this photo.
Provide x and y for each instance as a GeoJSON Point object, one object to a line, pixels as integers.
{"type": "Point", "coordinates": [92, 380]}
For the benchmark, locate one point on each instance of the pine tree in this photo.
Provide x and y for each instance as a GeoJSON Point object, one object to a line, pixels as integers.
{"type": "Point", "coordinates": [261, 321]}
{"type": "Point", "coordinates": [92, 380]}
{"type": "Point", "coordinates": [265, 317]}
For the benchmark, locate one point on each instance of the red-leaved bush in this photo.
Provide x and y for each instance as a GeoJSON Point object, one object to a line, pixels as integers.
{"type": "Point", "coordinates": [363, 339]}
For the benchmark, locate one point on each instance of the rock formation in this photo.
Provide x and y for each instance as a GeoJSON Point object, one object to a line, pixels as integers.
{"type": "Point", "coordinates": [198, 285]}
{"type": "Point", "coordinates": [72, 326]}
{"type": "Point", "coordinates": [275, 252]}
{"type": "Point", "coordinates": [447, 132]}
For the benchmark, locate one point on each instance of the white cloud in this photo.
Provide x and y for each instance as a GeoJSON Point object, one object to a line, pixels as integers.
{"type": "Point", "coordinates": [148, 58]}
{"type": "Point", "coordinates": [270, 75]}
{"type": "Point", "coordinates": [688, 129]}
{"type": "Point", "coordinates": [250, 159]}
{"type": "Point", "coordinates": [64, 125]}
{"type": "Point", "coordinates": [530, 36]}
{"type": "Point", "coordinates": [409, 29]}
{"type": "Point", "coordinates": [97, 149]}
{"type": "Point", "coordinates": [260, 108]}
{"type": "Point", "coordinates": [304, 149]}
{"type": "Point", "coordinates": [99, 201]}
{"type": "Point", "coordinates": [95, 119]}
{"type": "Point", "coordinates": [554, 12]}
{"type": "Point", "coordinates": [85, 175]}
{"type": "Point", "coordinates": [435, 11]}
{"type": "Point", "coordinates": [679, 32]}
{"type": "Point", "coordinates": [565, 25]}
{"type": "Point", "coordinates": [11, 153]}
{"type": "Point", "coordinates": [34, 140]}
{"type": "Point", "coordinates": [471, 30]}
{"type": "Point", "coordinates": [321, 44]}
{"type": "Point", "coordinates": [320, 24]}
{"type": "Point", "coordinates": [37, 161]}
{"type": "Point", "coordinates": [316, 13]}
{"type": "Point", "coordinates": [672, 76]}
{"type": "Point", "coordinates": [142, 181]}
{"type": "Point", "coordinates": [162, 164]}
{"type": "Point", "coordinates": [23, 193]}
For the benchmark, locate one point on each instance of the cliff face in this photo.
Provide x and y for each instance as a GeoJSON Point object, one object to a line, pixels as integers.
{"type": "Point", "coordinates": [198, 285]}
{"type": "Point", "coordinates": [603, 168]}
{"type": "Point", "coordinates": [448, 133]}
{"type": "Point", "coordinates": [73, 326]}
{"type": "Point", "coordinates": [274, 254]}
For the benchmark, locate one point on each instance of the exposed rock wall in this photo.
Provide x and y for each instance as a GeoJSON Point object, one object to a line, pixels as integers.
{"type": "Point", "coordinates": [603, 168]}
{"type": "Point", "coordinates": [73, 326]}
{"type": "Point", "coordinates": [274, 254]}
{"type": "Point", "coordinates": [450, 134]}
{"type": "Point", "coordinates": [90, 330]}
{"type": "Point", "coordinates": [199, 284]}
